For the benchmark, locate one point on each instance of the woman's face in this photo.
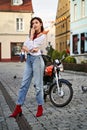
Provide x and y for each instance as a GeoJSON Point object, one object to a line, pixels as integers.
{"type": "Point", "coordinates": [36, 25]}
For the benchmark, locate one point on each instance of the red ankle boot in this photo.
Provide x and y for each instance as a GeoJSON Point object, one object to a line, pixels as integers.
{"type": "Point", "coordinates": [17, 111]}
{"type": "Point", "coordinates": [39, 111]}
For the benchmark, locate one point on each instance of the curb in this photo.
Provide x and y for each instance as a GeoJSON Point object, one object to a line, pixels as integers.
{"type": "Point", "coordinates": [75, 72]}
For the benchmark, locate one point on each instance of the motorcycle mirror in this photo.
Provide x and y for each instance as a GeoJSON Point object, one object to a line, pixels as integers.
{"type": "Point", "coordinates": [63, 57]}
{"type": "Point", "coordinates": [56, 61]}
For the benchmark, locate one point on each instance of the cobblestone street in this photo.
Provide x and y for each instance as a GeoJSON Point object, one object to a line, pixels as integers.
{"type": "Point", "coordinates": [70, 117]}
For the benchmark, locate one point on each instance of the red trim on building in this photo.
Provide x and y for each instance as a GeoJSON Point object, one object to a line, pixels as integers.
{"type": "Point", "coordinates": [5, 60]}
{"type": "Point", "coordinates": [5, 5]}
{"type": "Point", "coordinates": [13, 59]}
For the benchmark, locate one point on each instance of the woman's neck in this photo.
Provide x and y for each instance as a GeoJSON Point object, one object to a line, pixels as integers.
{"type": "Point", "coordinates": [37, 33]}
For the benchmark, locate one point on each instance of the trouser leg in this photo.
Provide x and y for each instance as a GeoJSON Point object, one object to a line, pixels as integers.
{"type": "Point", "coordinates": [38, 70]}
{"type": "Point", "coordinates": [27, 77]}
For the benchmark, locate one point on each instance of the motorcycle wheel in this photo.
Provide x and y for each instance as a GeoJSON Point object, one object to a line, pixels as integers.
{"type": "Point", "coordinates": [61, 100]}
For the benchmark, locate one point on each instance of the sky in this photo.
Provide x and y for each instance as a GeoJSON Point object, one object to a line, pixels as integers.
{"type": "Point", "coordinates": [45, 9]}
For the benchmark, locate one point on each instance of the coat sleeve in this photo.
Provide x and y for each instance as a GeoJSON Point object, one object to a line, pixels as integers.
{"type": "Point", "coordinates": [28, 43]}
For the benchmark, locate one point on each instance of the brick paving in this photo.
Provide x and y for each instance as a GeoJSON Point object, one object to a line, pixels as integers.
{"type": "Point", "coordinates": [70, 117]}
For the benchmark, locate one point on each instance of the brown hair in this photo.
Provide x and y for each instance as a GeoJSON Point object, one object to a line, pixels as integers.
{"type": "Point", "coordinates": [40, 20]}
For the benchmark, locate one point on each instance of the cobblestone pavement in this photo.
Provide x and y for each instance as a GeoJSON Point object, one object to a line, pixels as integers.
{"type": "Point", "coordinates": [70, 117]}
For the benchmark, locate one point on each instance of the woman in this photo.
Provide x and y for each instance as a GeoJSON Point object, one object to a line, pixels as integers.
{"type": "Point", "coordinates": [34, 67]}
{"type": "Point", "coordinates": [22, 56]}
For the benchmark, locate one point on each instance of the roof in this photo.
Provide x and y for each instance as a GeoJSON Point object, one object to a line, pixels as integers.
{"type": "Point", "coordinates": [6, 6]}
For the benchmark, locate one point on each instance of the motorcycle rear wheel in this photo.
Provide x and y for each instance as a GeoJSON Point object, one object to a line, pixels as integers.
{"type": "Point", "coordinates": [61, 100]}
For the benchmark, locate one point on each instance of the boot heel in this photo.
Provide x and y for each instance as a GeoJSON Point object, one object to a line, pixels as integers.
{"type": "Point", "coordinates": [20, 114]}
{"type": "Point", "coordinates": [17, 111]}
{"type": "Point", "coordinates": [39, 111]}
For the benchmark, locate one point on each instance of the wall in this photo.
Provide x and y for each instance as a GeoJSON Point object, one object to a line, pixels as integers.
{"type": "Point", "coordinates": [8, 32]}
{"type": "Point", "coordinates": [63, 25]}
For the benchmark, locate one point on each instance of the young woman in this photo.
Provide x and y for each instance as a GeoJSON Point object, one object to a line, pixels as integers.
{"type": "Point", "coordinates": [34, 66]}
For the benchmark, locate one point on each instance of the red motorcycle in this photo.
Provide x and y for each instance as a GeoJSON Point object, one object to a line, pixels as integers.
{"type": "Point", "coordinates": [59, 90]}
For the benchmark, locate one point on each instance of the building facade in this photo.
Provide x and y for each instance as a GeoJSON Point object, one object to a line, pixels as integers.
{"type": "Point", "coordinates": [51, 35]}
{"type": "Point", "coordinates": [14, 27]}
{"type": "Point", "coordinates": [78, 46]}
{"type": "Point", "coordinates": [62, 25]}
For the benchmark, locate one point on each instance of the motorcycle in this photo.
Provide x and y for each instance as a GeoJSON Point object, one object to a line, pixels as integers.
{"type": "Point", "coordinates": [59, 90]}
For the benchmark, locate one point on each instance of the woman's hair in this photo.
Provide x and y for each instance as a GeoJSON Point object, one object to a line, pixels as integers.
{"type": "Point", "coordinates": [40, 20]}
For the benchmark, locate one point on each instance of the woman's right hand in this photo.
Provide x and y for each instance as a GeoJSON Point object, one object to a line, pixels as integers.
{"type": "Point", "coordinates": [25, 49]}
{"type": "Point", "coordinates": [34, 50]}
{"type": "Point", "coordinates": [32, 33]}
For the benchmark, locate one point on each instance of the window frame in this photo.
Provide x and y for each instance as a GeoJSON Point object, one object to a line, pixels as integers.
{"type": "Point", "coordinates": [83, 8]}
{"type": "Point", "coordinates": [75, 11]}
{"type": "Point", "coordinates": [19, 24]}
{"type": "Point", "coordinates": [16, 2]}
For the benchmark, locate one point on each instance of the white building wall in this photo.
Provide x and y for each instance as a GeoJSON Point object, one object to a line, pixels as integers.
{"type": "Point", "coordinates": [8, 22]}
{"type": "Point", "coordinates": [51, 35]}
{"type": "Point", "coordinates": [78, 27]}
{"type": "Point", "coordinates": [8, 32]}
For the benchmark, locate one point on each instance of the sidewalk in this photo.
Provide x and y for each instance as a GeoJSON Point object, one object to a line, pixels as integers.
{"type": "Point", "coordinates": [5, 122]}
{"type": "Point", "coordinates": [70, 117]}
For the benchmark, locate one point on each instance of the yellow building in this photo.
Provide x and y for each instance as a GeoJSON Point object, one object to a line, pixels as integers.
{"type": "Point", "coordinates": [14, 27]}
{"type": "Point", "coordinates": [62, 25]}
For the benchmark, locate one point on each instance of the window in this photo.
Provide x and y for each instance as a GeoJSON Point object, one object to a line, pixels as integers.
{"type": "Point", "coordinates": [75, 44]}
{"type": "Point", "coordinates": [16, 49]}
{"type": "Point", "coordinates": [83, 42]}
{"type": "Point", "coordinates": [19, 24]}
{"type": "Point", "coordinates": [75, 11]}
{"type": "Point", "coordinates": [83, 8]}
{"type": "Point", "coordinates": [17, 2]}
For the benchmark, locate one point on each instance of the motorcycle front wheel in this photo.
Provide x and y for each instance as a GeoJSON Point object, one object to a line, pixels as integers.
{"type": "Point", "coordinates": [62, 98]}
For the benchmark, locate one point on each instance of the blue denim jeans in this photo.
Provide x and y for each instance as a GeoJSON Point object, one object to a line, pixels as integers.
{"type": "Point", "coordinates": [34, 67]}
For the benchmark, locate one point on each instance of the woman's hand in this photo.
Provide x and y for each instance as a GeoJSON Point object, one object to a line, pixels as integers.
{"type": "Point", "coordinates": [34, 50]}
{"type": "Point", "coordinates": [25, 49]}
{"type": "Point", "coordinates": [32, 33]}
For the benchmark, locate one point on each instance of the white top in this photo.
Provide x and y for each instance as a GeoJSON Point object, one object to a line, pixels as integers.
{"type": "Point", "coordinates": [39, 42]}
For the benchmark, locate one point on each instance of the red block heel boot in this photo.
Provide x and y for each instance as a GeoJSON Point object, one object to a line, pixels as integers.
{"type": "Point", "coordinates": [39, 111]}
{"type": "Point", "coordinates": [17, 111]}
